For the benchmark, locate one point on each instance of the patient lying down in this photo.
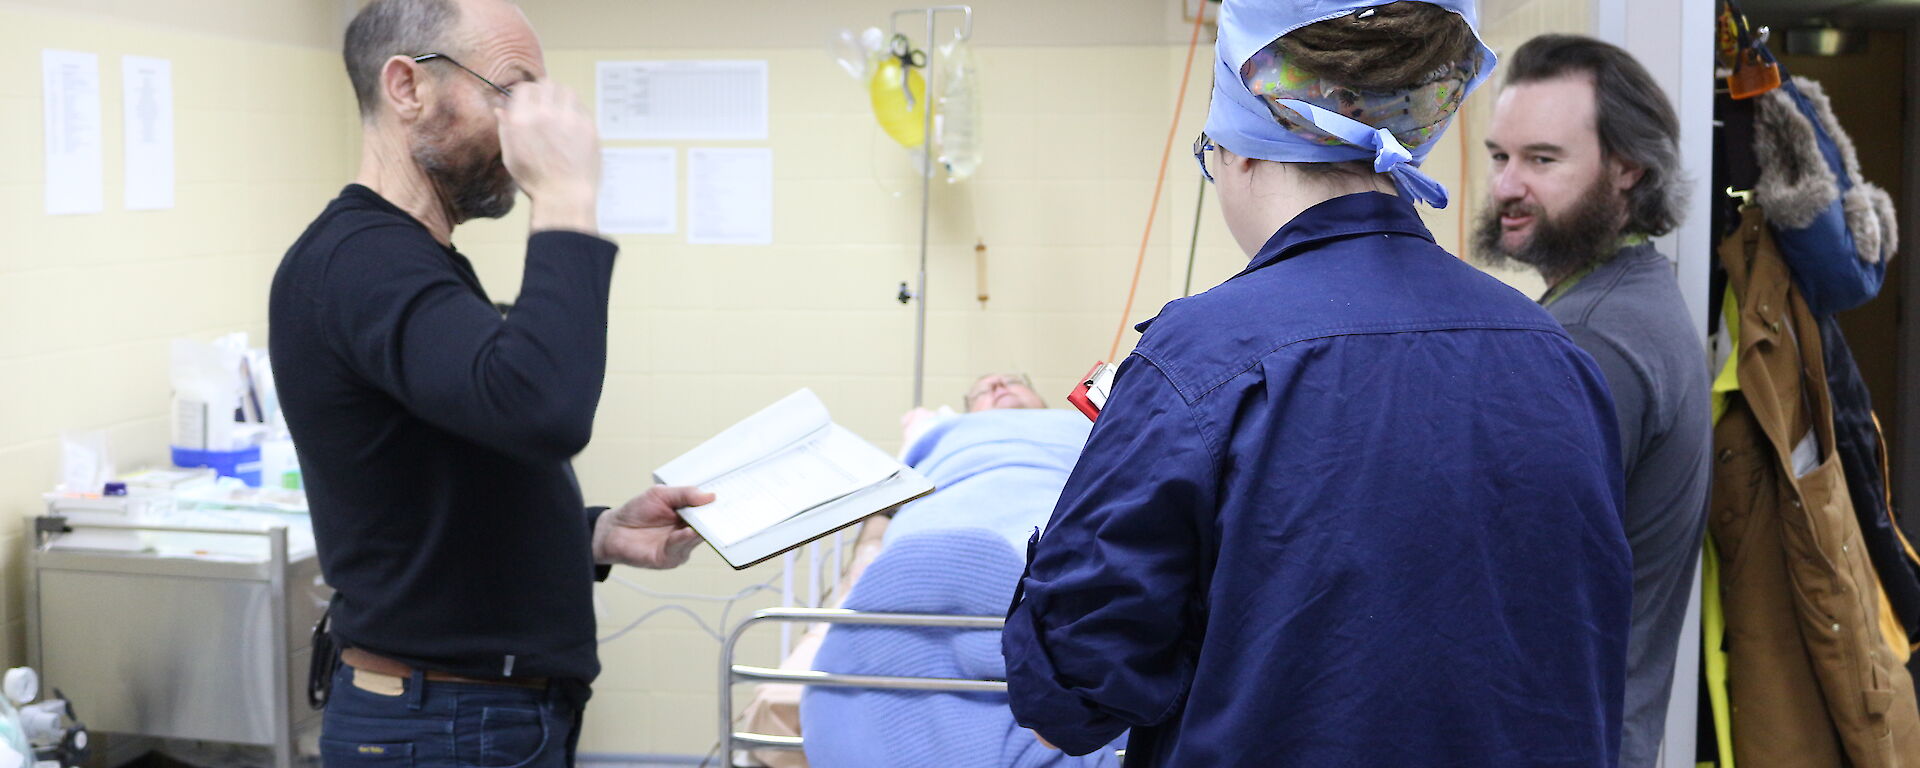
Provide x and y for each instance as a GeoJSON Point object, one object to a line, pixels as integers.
{"type": "Point", "coordinates": [999, 469]}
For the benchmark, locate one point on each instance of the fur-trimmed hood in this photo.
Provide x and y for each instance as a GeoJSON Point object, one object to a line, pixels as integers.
{"type": "Point", "coordinates": [1796, 182]}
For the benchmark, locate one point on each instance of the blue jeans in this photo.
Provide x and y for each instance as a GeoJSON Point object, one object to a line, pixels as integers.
{"type": "Point", "coordinates": [450, 725]}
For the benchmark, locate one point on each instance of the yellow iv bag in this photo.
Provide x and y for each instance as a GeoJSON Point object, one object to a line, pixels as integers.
{"type": "Point", "coordinates": [898, 114]}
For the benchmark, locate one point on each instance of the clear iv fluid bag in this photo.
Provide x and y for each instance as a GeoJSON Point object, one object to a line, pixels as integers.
{"type": "Point", "coordinates": [957, 121]}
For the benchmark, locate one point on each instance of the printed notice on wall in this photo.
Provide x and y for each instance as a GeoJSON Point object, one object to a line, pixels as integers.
{"type": "Point", "coordinates": [70, 82]}
{"type": "Point", "coordinates": [147, 86]}
{"type": "Point", "coordinates": [668, 100]}
{"type": "Point", "coordinates": [730, 196]}
{"type": "Point", "coordinates": [637, 190]}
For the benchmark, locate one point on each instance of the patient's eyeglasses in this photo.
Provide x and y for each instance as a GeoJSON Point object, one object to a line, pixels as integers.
{"type": "Point", "coordinates": [463, 68]}
{"type": "Point", "coordinates": [1200, 146]}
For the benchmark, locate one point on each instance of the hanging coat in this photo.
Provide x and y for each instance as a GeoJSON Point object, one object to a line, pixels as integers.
{"type": "Point", "coordinates": [1812, 678]}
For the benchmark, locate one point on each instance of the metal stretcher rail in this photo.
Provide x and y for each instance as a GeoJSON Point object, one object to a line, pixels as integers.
{"type": "Point", "coordinates": [731, 673]}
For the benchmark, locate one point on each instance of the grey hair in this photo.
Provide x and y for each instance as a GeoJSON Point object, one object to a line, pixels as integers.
{"type": "Point", "coordinates": [1636, 122]}
{"type": "Point", "coordinates": [966, 400]}
{"type": "Point", "coordinates": [388, 28]}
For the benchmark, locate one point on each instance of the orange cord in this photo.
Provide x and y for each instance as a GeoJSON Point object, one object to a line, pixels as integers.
{"type": "Point", "coordinates": [1153, 210]}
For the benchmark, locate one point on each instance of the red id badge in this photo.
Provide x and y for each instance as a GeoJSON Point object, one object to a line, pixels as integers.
{"type": "Point", "coordinates": [1091, 395]}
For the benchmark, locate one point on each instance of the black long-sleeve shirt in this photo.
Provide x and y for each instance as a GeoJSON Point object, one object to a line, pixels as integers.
{"type": "Point", "coordinates": [434, 438]}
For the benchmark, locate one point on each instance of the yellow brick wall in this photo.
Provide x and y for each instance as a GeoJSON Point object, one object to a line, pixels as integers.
{"type": "Point", "coordinates": [88, 303]}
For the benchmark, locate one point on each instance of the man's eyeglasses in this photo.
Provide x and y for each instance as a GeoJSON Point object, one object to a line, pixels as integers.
{"type": "Point", "coordinates": [463, 68]}
{"type": "Point", "coordinates": [1200, 147]}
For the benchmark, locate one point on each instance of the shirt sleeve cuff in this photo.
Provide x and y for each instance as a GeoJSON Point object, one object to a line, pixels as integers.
{"type": "Point", "coordinates": [1039, 702]}
{"type": "Point", "coordinates": [600, 572]}
{"type": "Point", "coordinates": [569, 241]}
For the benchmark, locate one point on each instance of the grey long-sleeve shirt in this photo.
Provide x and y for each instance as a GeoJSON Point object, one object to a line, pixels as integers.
{"type": "Point", "coordinates": [1629, 315]}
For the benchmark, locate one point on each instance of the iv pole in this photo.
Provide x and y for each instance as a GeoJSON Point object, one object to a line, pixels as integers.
{"type": "Point", "coordinates": [926, 182]}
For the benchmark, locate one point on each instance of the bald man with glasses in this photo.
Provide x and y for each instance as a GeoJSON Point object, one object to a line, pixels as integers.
{"type": "Point", "coordinates": [434, 433]}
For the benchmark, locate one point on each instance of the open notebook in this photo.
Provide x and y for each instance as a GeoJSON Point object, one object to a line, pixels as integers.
{"type": "Point", "coordinates": [786, 476]}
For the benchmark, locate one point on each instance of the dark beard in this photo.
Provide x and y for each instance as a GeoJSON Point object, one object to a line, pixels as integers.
{"type": "Point", "coordinates": [1559, 245]}
{"type": "Point", "coordinates": [472, 182]}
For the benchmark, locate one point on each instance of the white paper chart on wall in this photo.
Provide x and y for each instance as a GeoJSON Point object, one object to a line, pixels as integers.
{"type": "Point", "coordinates": [147, 89]}
{"type": "Point", "coordinates": [638, 186]}
{"type": "Point", "coordinates": [730, 196]}
{"type": "Point", "coordinates": [71, 104]}
{"type": "Point", "coordinates": [669, 100]}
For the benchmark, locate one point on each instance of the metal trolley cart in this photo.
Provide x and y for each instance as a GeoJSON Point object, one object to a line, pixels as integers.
{"type": "Point", "coordinates": [210, 648]}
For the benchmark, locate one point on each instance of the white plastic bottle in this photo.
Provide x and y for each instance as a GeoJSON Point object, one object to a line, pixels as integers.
{"type": "Point", "coordinates": [21, 686]}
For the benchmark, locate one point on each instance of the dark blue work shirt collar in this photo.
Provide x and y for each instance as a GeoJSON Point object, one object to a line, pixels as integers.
{"type": "Point", "coordinates": [1365, 213]}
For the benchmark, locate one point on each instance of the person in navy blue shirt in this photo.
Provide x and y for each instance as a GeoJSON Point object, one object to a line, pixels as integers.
{"type": "Point", "coordinates": [1361, 504]}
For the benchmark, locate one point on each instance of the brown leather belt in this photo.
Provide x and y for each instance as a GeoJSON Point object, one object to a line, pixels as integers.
{"type": "Point", "coordinates": [380, 665]}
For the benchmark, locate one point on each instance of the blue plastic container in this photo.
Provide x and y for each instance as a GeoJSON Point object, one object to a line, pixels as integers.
{"type": "Point", "coordinates": [242, 464]}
